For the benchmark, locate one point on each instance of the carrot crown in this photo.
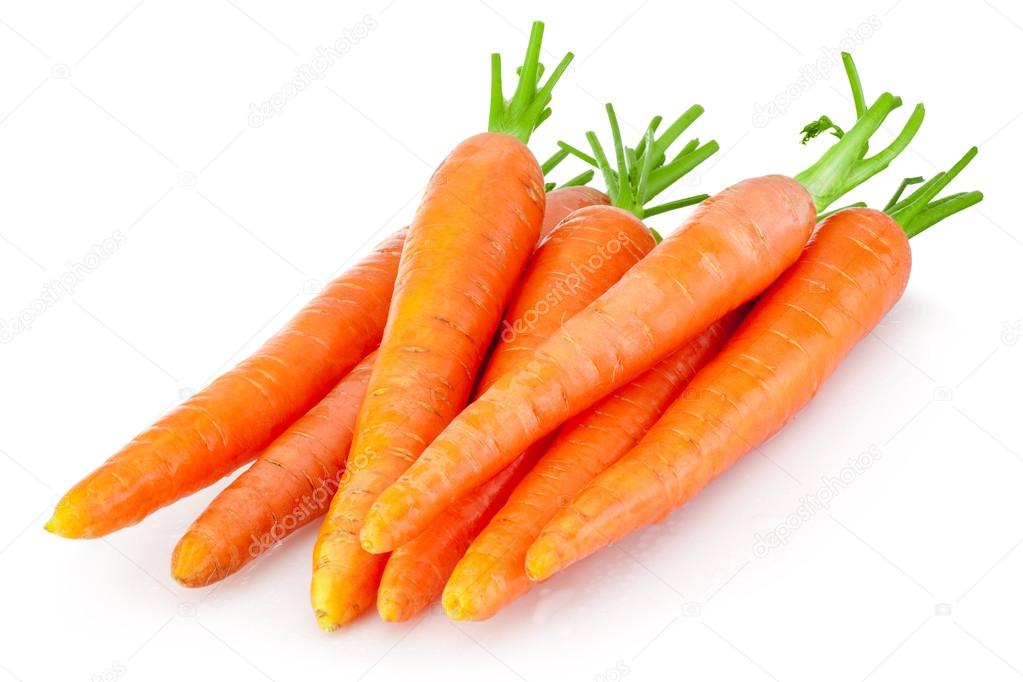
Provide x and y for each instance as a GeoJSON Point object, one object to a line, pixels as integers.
{"type": "Point", "coordinates": [527, 108]}
{"type": "Point", "coordinates": [845, 164]}
{"type": "Point", "coordinates": [920, 210]}
{"type": "Point", "coordinates": [550, 164]}
{"type": "Point", "coordinates": [642, 172]}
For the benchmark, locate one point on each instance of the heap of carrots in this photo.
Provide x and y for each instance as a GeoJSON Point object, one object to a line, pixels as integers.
{"type": "Point", "coordinates": [528, 372]}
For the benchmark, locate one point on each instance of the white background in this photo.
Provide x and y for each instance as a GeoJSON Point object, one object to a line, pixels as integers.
{"type": "Point", "coordinates": [133, 119]}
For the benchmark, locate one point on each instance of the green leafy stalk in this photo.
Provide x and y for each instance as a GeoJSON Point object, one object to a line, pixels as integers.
{"type": "Point", "coordinates": [845, 164]}
{"type": "Point", "coordinates": [921, 210]}
{"type": "Point", "coordinates": [528, 106]}
{"type": "Point", "coordinates": [641, 173]}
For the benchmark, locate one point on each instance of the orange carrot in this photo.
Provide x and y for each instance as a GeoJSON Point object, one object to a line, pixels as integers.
{"type": "Point", "coordinates": [415, 572]}
{"type": "Point", "coordinates": [474, 230]}
{"type": "Point", "coordinates": [730, 249]}
{"type": "Point", "coordinates": [491, 574]}
{"type": "Point", "coordinates": [849, 276]}
{"type": "Point", "coordinates": [223, 426]}
{"type": "Point", "coordinates": [289, 485]}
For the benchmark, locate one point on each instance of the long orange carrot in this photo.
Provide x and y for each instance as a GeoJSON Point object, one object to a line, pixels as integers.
{"type": "Point", "coordinates": [853, 271]}
{"type": "Point", "coordinates": [473, 232]}
{"type": "Point", "coordinates": [290, 484]}
{"type": "Point", "coordinates": [585, 254]}
{"type": "Point", "coordinates": [491, 574]}
{"type": "Point", "coordinates": [223, 426]}
{"type": "Point", "coordinates": [731, 248]}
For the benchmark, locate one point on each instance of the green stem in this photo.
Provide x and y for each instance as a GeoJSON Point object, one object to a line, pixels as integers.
{"type": "Point", "coordinates": [845, 164]}
{"type": "Point", "coordinates": [579, 180]}
{"type": "Point", "coordinates": [528, 106]}
{"type": "Point", "coordinates": [906, 182]}
{"type": "Point", "coordinates": [640, 173]}
{"type": "Point", "coordinates": [921, 210]}
{"type": "Point", "coordinates": [854, 83]}
{"type": "Point", "coordinates": [550, 164]}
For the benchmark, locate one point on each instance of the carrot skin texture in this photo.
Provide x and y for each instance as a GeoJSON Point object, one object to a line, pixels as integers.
{"type": "Point", "coordinates": [224, 425]}
{"type": "Point", "coordinates": [491, 573]}
{"type": "Point", "coordinates": [563, 201]}
{"type": "Point", "coordinates": [289, 485]}
{"type": "Point", "coordinates": [585, 254]}
{"type": "Point", "coordinates": [415, 573]}
{"type": "Point", "coordinates": [850, 275]}
{"type": "Point", "coordinates": [729, 250]}
{"type": "Point", "coordinates": [477, 224]}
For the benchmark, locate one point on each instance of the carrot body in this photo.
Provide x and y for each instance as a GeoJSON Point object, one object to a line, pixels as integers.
{"type": "Point", "coordinates": [478, 222]}
{"type": "Point", "coordinates": [730, 249]}
{"type": "Point", "coordinates": [416, 572]}
{"type": "Point", "coordinates": [491, 574]}
{"type": "Point", "coordinates": [850, 275]}
{"type": "Point", "coordinates": [228, 422]}
{"type": "Point", "coordinates": [562, 201]}
{"type": "Point", "coordinates": [289, 485]}
{"type": "Point", "coordinates": [585, 254]}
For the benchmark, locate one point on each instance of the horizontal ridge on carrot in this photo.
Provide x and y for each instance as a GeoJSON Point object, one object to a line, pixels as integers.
{"type": "Point", "coordinates": [289, 485]}
{"type": "Point", "coordinates": [585, 254]}
{"type": "Point", "coordinates": [849, 276]}
{"type": "Point", "coordinates": [225, 424]}
{"type": "Point", "coordinates": [491, 574]}
{"type": "Point", "coordinates": [729, 250]}
{"type": "Point", "coordinates": [475, 228]}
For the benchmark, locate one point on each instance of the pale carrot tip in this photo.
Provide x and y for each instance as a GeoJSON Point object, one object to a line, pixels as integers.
{"type": "Point", "coordinates": [65, 525]}
{"type": "Point", "coordinates": [373, 540]}
{"type": "Point", "coordinates": [453, 607]}
{"type": "Point", "coordinates": [326, 623]}
{"type": "Point", "coordinates": [541, 562]}
{"type": "Point", "coordinates": [390, 610]}
{"type": "Point", "coordinates": [192, 562]}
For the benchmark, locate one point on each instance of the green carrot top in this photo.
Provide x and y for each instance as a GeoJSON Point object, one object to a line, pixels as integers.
{"type": "Point", "coordinates": [528, 106]}
{"type": "Point", "coordinates": [642, 172]}
{"type": "Point", "coordinates": [920, 210]}
{"type": "Point", "coordinates": [845, 164]}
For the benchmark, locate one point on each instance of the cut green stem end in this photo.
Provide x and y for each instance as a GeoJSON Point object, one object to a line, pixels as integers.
{"type": "Point", "coordinates": [528, 106]}
{"type": "Point", "coordinates": [921, 210]}
{"type": "Point", "coordinates": [640, 173]}
{"type": "Point", "coordinates": [846, 164]}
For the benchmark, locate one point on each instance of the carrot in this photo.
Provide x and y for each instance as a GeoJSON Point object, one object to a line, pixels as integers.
{"type": "Point", "coordinates": [224, 425]}
{"type": "Point", "coordinates": [849, 276]}
{"type": "Point", "coordinates": [728, 251]}
{"type": "Point", "coordinates": [416, 572]}
{"type": "Point", "coordinates": [585, 254]}
{"type": "Point", "coordinates": [477, 224]}
{"type": "Point", "coordinates": [289, 485]}
{"type": "Point", "coordinates": [491, 574]}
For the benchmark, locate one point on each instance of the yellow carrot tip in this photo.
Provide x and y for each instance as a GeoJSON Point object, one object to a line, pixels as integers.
{"type": "Point", "coordinates": [65, 523]}
{"type": "Point", "coordinates": [542, 560]}
{"type": "Point", "coordinates": [453, 606]}
{"type": "Point", "coordinates": [193, 563]}
{"type": "Point", "coordinates": [326, 623]}
{"type": "Point", "coordinates": [331, 601]}
{"type": "Point", "coordinates": [390, 609]}
{"type": "Point", "coordinates": [373, 539]}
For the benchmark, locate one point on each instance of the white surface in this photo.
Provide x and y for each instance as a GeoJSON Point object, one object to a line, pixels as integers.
{"type": "Point", "coordinates": [110, 115]}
